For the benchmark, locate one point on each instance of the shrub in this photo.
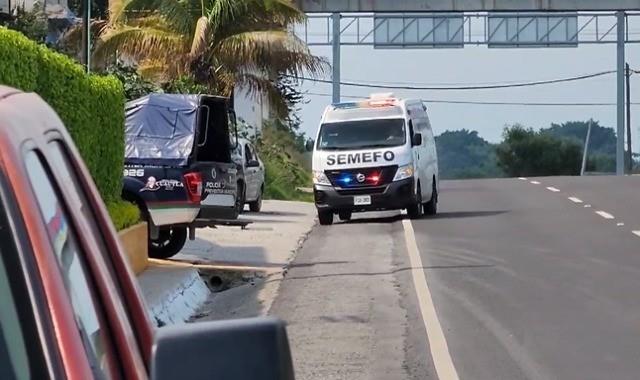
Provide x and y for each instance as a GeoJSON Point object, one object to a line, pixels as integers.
{"type": "Point", "coordinates": [91, 106]}
{"type": "Point", "coordinates": [123, 214]}
{"type": "Point", "coordinates": [284, 164]}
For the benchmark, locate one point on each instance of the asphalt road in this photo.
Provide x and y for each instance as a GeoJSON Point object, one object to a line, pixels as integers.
{"type": "Point", "coordinates": [526, 283]}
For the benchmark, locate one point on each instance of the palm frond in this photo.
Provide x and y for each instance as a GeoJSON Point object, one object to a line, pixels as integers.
{"type": "Point", "coordinates": [141, 43]}
{"type": "Point", "coordinates": [269, 50]}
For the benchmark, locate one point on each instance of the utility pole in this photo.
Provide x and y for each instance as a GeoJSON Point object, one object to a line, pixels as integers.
{"type": "Point", "coordinates": [620, 15]}
{"type": "Point", "coordinates": [335, 20]}
{"type": "Point", "coordinates": [629, 152]}
{"type": "Point", "coordinates": [86, 35]}
{"type": "Point", "coordinates": [586, 149]}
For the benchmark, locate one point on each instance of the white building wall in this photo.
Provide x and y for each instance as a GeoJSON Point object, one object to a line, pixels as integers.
{"type": "Point", "coordinates": [253, 110]}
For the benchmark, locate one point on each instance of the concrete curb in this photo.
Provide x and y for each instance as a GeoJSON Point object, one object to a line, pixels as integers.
{"type": "Point", "coordinates": [134, 241]}
{"type": "Point", "coordinates": [172, 294]}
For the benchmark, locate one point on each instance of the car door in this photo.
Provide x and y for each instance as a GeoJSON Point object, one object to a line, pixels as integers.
{"type": "Point", "coordinates": [28, 346]}
{"type": "Point", "coordinates": [72, 268]}
{"type": "Point", "coordinates": [250, 172]}
{"type": "Point", "coordinates": [259, 173]}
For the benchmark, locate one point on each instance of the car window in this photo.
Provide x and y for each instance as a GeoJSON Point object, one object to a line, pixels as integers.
{"type": "Point", "coordinates": [248, 153]}
{"type": "Point", "coordinates": [254, 152]}
{"type": "Point", "coordinates": [14, 361]}
{"type": "Point", "coordinates": [21, 352]}
{"type": "Point", "coordinates": [71, 264]}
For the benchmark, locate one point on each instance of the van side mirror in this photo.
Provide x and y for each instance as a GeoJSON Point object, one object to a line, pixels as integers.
{"type": "Point", "coordinates": [416, 140]}
{"type": "Point", "coordinates": [240, 349]}
{"type": "Point", "coordinates": [309, 145]}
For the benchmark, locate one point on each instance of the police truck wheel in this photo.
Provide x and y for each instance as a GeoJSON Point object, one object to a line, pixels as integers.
{"type": "Point", "coordinates": [345, 215]}
{"type": "Point", "coordinates": [169, 242]}
{"type": "Point", "coordinates": [325, 218]}
{"type": "Point", "coordinates": [431, 207]}
{"type": "Point", "coordinates": [415, 210]}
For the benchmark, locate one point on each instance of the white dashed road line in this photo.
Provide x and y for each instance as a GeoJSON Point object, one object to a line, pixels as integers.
{"type": "Point", "coordinates": [575, 200]}
{"type": "Point", "coordinates": [550, 188]}
{"type": "Point", "coordinates": [605, 215]}
{"type": "Point", "coordinates": [620, 224]}
{"type": "Point", "coordinates": [535, 182]}
{"type": "Point", "coordinates": [522, 178]}
{"type": "Point", "coordinates": [637, 233]}
{"type": "Point", "coordinates": [587, 206]}
{"type": "Point", "coordinates": [437, 342]}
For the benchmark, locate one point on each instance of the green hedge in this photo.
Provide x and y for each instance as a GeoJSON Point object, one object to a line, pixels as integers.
{"type": "Point", "coordinates": [123, 214]}
{"type": "Point", "coordinates": [91, 106]}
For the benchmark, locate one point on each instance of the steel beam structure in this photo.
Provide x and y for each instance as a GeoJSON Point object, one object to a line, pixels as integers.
{"type": "Point", "coordinates": [361, 29]}
{"type": "Point", "coordinates": [331, 6]}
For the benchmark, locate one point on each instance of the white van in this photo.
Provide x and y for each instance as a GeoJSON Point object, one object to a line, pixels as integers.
{"type": "Point", "coordinates": [376, 154]}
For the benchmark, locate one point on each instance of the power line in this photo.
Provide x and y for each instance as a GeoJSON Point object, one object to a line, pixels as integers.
{"type": "Point", "coordinates": [488, 87]}
{"type": "Point", "coordinates": [497, 103]}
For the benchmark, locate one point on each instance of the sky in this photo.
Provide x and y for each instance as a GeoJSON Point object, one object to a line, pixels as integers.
{"type": "Point", "coordinates": [479, 65]}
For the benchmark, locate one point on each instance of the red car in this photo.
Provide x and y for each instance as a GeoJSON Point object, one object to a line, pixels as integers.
{"type": "Point", "coordinates": [71, 308]}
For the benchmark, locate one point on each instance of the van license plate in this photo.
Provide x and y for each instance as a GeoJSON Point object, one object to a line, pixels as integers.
{"type": "Point", "coordinates": [362, 200]}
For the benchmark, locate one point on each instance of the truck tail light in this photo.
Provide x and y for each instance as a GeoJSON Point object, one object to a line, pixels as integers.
{"type": "Point", "coordinates": [194, 186]}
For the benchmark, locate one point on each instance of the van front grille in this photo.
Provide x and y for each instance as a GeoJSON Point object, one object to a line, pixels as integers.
{"type": "Point", "coordinates": [362, 177]}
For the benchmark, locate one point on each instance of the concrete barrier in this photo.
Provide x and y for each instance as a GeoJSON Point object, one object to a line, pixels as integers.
{"type": "Point", "coordinates": [134, 240]}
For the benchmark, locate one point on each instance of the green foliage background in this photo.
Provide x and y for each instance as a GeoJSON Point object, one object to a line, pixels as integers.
{"type": "Point", "coordinates": [282, 151]}
{"type": "Point", "coordinates": [91, 106]}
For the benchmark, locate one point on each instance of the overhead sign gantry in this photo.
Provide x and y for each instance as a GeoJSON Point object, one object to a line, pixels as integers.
{"type": "Point", "coordinates": [507, 23]}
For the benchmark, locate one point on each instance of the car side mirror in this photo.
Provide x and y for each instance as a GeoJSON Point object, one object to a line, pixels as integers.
{"type": "Point", "coordinates": [417, 139]}
{"type": "Point", "coordinates": [240, 349]}
{"type": "Point", "coordinates": [253, 164]}
{"type": "Point", "coordinates": [309, 145]}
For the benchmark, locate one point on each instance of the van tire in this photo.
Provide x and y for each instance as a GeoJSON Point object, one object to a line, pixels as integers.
{"type": "Point", "coordinates": [325, 218]}
{"type": "Point", "coordinates": [345, 216]}
{"type": "Point", "coordinates": [415, 210]}
{"type": "Point", "coordinates": [169, 243]}
{"type": "Point", "coordinates": [431, 207]}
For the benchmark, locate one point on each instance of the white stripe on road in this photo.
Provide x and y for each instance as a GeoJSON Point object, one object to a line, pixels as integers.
{"type": "Point", "coordinates": [605, 215]}
{"type": "Point", "coordinates": [575, 200]}
{"type": "Point", "coordinates": [552, 189]}
{"type": "Point", "coordinates": [637, 233]}
{"type": "Point", "coordinates": [437, 342]}
{"type": "Point", "coordinates": [522, 178]}
{"type": "Point", "coordinates": [620, 224]}
{"type": "Point", "coordinates": [535, 182]}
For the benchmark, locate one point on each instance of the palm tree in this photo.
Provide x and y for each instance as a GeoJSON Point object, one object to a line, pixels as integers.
{"type": "Point", "coordinates": [220, 43]}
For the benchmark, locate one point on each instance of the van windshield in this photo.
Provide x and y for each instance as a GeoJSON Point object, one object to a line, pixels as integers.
{"type": "Point", "coordinates": [360, 134]}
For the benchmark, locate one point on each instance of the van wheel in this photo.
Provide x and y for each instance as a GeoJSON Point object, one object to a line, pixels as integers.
{"type": "Point", "coordinates": [431, 207]}
{"type": "Point", "coordinates": [256, 205]}
{"type": "Point", "coordinates": [345, 215]}
{"type": "Point", "coordinates": [325, 218]}
{"type": "Point", "coordinates": [415, 210]}
{"type": "Point", "coordinates": [169, 242]}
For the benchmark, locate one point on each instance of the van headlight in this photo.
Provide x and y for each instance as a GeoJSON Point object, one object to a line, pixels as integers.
{"type": "Point", "coordinates": [319, 178]}
{"type": "Point", "coordinates": [404, 172]}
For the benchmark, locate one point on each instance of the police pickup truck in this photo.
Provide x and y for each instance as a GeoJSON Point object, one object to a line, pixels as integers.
{"type": "Point", "coordinates": [178, 166]}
